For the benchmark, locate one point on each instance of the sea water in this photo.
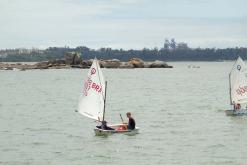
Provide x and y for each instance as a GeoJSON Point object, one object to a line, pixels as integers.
{"type": "Point", "coordinates": [180, 113]}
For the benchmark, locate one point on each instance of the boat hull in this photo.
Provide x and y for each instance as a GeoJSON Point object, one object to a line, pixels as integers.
{"type": "Point", "coordinates": [101, 132]}
{"type": "Point", "coordinates": [236, 112]}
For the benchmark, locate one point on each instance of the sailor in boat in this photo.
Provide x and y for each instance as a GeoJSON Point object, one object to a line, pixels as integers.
{"type": "Point", "coordinates": [131, 124]}
{"type": "Point", "coordinates": [104, 126]}
{"type": "Point", "coordinates": [237, 106]}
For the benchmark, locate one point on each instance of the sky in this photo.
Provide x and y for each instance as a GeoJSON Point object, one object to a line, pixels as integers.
{"type": "Point", "coordinates": [127, 24]}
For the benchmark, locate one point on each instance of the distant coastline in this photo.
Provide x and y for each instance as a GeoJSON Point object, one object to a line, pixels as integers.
{"type": "Point", "coordinates": [171, 51]}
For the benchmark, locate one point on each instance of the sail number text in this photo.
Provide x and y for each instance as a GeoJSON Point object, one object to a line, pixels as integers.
{"type": "Point", "coordinates": [89, 84]}
{"type": "Point", "coordinates": [241, 90]}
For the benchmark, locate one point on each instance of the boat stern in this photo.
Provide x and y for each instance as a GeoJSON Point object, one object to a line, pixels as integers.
{"type": "Point", "coordinates": [229, 112]}
{"type": "Point", "coordinates": [240, 112]}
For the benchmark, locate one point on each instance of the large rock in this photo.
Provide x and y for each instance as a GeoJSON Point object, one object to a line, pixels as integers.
{"type": "Point", "coordinates": [86, 64]}
{"type": "Point", "coordinates": [73, 58]}
{"type": "Point", "coordinates": [137, 62]}
{"type": "Point", "coordinates": [126, 65]}
{"type": "Point", "coordinates": [114, 63]}
{"type": "Point", "coordinates": [42, 65]}
{"type": "Point", "coordinates": [159, 64]}
{"type": "Point", "coordinates": [59, 62]}
{"type": "Point", "coordinates": [6, 66]}
{"type": "Point", "coordinates": [52, 64]}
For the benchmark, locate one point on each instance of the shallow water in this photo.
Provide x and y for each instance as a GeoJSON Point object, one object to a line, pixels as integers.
{"type": "Point", "coordinates": [180, 113]}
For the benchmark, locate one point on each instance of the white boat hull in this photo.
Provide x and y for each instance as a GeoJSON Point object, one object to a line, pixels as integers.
{"type": "Point", "coordinates": [102, 132]}
{"type": "Point", "coordinates": [236, 112]}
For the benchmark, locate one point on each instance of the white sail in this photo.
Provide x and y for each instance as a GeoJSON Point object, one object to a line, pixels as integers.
{"type": "Point", "coordinates": [238, 82]}
{"type": "Point", "coordinates": [91, 103]}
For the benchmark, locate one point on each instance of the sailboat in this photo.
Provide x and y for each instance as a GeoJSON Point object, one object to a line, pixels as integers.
{"type": "Point", "coordinates": [92, 102]}
{"type": "Point", "coordinates": [238, 89]}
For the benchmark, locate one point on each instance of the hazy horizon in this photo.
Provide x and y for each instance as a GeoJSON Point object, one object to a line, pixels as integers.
{"type": "Point", "coordinates": [97, 48]}
{"type": "Point", "coordinates": [129, 24]}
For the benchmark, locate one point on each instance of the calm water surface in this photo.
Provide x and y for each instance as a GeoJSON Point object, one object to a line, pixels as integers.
{"type": "Point", "coordinates": [180, 113]}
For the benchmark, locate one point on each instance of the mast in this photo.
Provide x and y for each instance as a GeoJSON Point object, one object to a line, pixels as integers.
{"type": "Point", "coordinates": [104, 101]}
{"type": "Point", "coordinates": [230, 89]}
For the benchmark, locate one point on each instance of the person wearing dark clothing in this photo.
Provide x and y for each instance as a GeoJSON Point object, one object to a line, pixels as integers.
{"type": "Point", "coordinates": [131, 123]}
{"type": "Point", "coordinates": [237, 106]}
{"type": "Point", "coordinates": [104, 126]}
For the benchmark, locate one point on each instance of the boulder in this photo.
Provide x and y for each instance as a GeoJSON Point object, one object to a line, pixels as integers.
{"type": "Point", "coordinates": [137, 62]}
{"type": "Point", "coordinates": [42, 65]}
{"type": "Point", "coordinates": [57, 62]}
{"type": "Point", "coordinates": [49, 64]}
{"type": "Point", "coordinates": [147, 64]}
{"type": "Point", "coordinates": [86, 64]}
{"type": "Point", "coordinates": [114, 63]}
{"type": "Point", "coordinates": [126, 65]}
{"type": "Point", "coordinates": [159, 64]}
{"type": "Point", "coordinates": [73, 58]}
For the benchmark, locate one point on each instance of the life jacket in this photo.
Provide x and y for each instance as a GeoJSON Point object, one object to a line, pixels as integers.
{"type": "Point", "coordinates": [237, 106]}
{"type": "Point", "coordinates": [121, 128]}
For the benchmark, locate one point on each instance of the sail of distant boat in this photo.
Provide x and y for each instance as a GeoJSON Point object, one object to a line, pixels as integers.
{"type": "Point", "coordinates": [92, 97]}
{"type": "Point", "coordinates": [238, 82]}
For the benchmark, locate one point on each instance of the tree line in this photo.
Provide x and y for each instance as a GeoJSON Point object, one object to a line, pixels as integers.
{"type": "Point", "coordinates": [171, 51]}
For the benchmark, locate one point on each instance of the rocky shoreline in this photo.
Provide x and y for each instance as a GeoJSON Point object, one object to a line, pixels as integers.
{"type": "Point", "coordinates": [66, 64]}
